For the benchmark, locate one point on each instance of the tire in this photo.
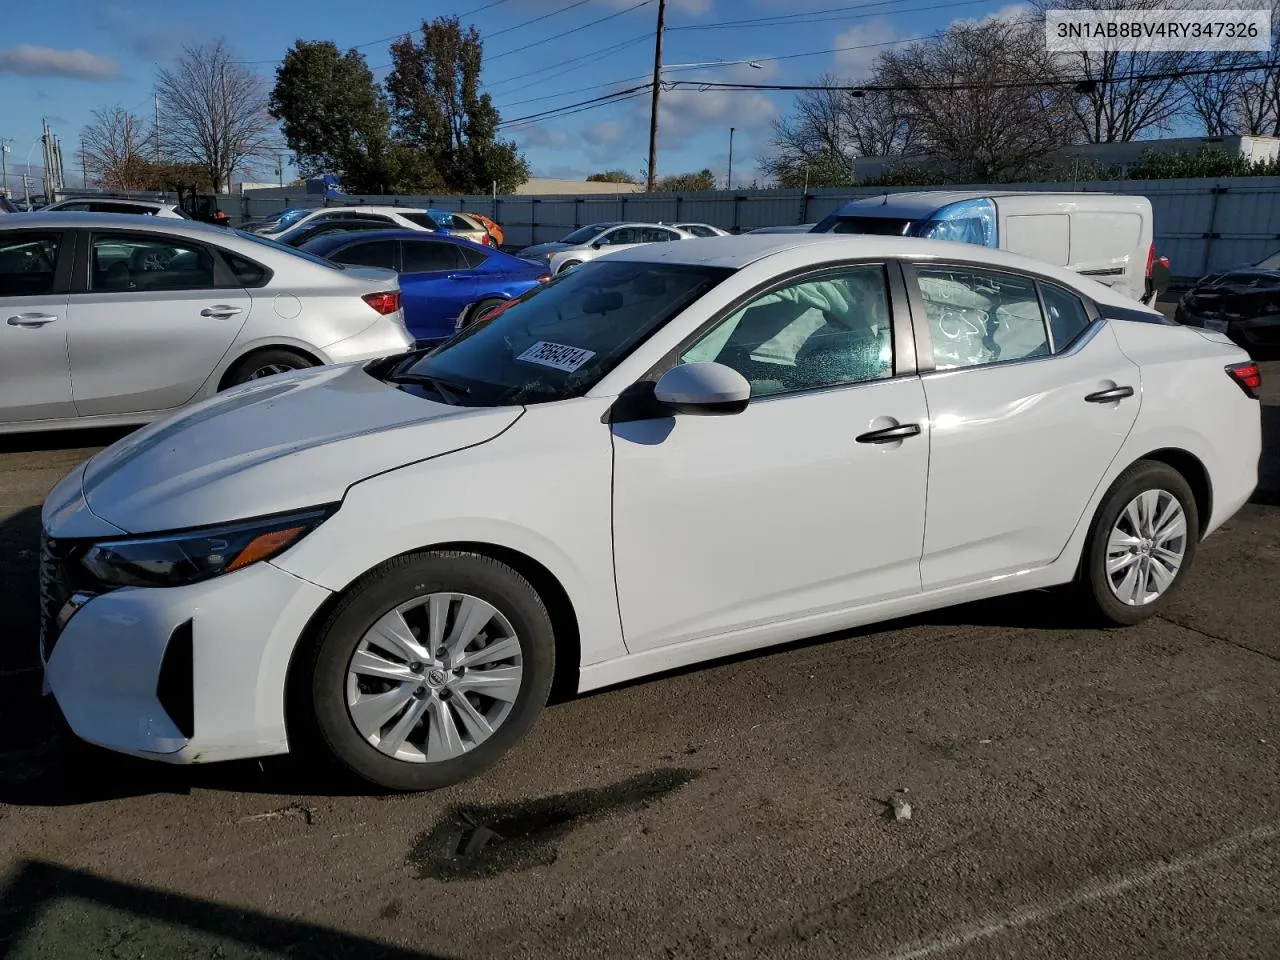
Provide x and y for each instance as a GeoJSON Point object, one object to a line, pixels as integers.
{"type": "Point", "coordinates": [345, 715]}
{"type": "Point", "coordinates": [252, 367]}
{"type": "Point", "coordinates": [1143, 576]}
{"type": "Point", "coordinates": [567, 265]}
{"type": "Point", "coordinates": [478, 311]}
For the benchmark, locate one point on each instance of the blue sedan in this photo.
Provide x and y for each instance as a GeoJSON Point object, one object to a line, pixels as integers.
{"type": "Point", "coordinates": [441, 276]}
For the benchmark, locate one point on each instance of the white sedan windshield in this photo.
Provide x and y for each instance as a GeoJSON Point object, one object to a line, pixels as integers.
{"type": "Point", "coordinates": [560, 339]}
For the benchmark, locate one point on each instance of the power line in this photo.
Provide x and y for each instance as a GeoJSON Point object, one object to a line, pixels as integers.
{"type": "Point", "coordinates": [397, 36]}
{"type": "Point", "coordinates": [707, 85]}
{"type": "Point", "coordinates": [557, 36]}
{"type": "Point", "coordinates": [743, 24]}
{"type": "Point", "coordinates": [594, 55]}
{"type": "Point", "coordinates": [601, 101]}
{"type": "Point", "coordinates": [584, 109]}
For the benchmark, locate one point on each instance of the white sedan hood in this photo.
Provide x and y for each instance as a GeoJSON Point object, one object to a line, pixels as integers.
{"type": "Point", "coordinates": [286, 442]}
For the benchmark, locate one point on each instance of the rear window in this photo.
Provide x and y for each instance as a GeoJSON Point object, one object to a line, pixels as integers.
{"type": "Point", "coordinates": [419, 218]}
{"type": "Point", "coordinates": [473, 257]}
{"type": "Point", "coordinates": [248, 273]}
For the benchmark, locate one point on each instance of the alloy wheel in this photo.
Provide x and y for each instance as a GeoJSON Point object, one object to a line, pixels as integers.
{"type": "Point", "coordinates": [434, 678]}
{"type": "Point", "coordinates": [1146, 547]}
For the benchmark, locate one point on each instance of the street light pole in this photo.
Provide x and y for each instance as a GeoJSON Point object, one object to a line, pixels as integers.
{"type": "Point", "coordinates": [657, 88]}
{"type": "Point", "coordinates": [729, 180]}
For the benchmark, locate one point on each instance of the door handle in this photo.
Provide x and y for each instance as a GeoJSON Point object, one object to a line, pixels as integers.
{"type": "Point", "coordinates": [220, 311]}
{"type": "Point", "coordinates": [890, 434]}
{"type": "Point", "coordinates": [1109, 396]}
{"type": "Point", "coordinates": [30, 320]}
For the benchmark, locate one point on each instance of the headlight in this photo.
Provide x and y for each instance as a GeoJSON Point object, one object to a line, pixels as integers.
{"type": "Point", "coordinates": [175, 559]}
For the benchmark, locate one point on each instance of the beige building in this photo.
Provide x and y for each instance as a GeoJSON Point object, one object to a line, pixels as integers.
{"type": "Point", "coordinates": [545, 186]}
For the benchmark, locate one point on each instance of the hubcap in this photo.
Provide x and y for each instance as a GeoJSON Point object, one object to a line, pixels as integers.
{"type": "Point", "coordinates": [1146, 547]}
{"type": "Point", "coordinates": [434, 678]}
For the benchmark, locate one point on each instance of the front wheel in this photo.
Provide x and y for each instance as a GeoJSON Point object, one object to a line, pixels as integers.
{"type": "Point", "coordinates": [430, 670]}
{"type": "Point", "coordinates": [1141, 545]}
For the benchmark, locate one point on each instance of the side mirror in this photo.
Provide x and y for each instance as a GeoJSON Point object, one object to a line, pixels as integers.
{"type": "Point", "coordinates": [703, 389]}
{"type": "Point", "coordinates": [597, 245]}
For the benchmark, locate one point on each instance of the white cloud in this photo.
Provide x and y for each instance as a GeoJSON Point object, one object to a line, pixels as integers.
{"type": "Point", "coordinates": [29, 61]}
{"type": "Point", "coordinates": [689, 111]}
{"type": "Point", "coordinates": [857, 48]}
{"type": "Point", "coordinates": [1010, 12]}
{"type": "Point", "coordinates": [537, 135]}
{"type": "Point", "coordinates": [604, 132]}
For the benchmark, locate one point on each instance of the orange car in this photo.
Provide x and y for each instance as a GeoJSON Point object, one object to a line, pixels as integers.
{"type": "Point", "coordinates": [495, 231]}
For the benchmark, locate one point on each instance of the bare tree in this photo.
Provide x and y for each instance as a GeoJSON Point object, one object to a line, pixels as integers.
{"type": "Point", "coordinates": [828, 128]}
{"type": "Point", "coordinates": [1125, 94]}
{"type": "Point", "coordinates": [213, 112]}
{"type": "Point", "coordinates": [981, 99]}
{"type": "Point", "coordinates": [114, 146]}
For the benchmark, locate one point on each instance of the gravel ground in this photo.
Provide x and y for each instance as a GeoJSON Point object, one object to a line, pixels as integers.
{"type": "Point", "coordinates": [1075, 793]}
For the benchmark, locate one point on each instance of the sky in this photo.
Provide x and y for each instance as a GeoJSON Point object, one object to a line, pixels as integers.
{"type": "Point", "coordinates": [103, 53]}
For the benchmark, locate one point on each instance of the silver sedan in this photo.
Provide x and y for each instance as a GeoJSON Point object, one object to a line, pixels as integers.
{"type": "Point", "coordinates": [111, 319]}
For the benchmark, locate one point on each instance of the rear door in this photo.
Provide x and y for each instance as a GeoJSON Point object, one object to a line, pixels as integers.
{"type": "Point", "coordinates": [35, 271]}
{"type": "Point", "coordinates": [150, 317]}
{"type": "Point", "coordinates": [437, 283]}
{"type": "Point", "coordinates": [1030, 400]}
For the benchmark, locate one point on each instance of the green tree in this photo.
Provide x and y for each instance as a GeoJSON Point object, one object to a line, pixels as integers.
{"type": "Point", "coordinates": [612, 176]}
{"type": "Point", "coordinates": [686, 182]}
{"type": "Point", "coordinates": [434, 89]}
{"type": "Point", "coordinates": [336, 119]}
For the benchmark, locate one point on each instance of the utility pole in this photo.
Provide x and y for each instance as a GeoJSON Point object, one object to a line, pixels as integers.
{"type": "Point", "coordinates": [84, 167]}
{"type": "Point", "coordinates": [729, 182]}
{"type": "Point", "coordinates": [657, 88]}
{"type": "Point", "coordinates": [157, 99]}
{"type": "Point", "coordinates": [4, 167]}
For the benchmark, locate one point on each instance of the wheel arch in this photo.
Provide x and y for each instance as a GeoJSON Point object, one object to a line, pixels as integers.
{"type": "Point", "coordinates": [564, 620]}
{"type": "Point", "coordinates": [290, 346]}
{"type": "Point", "coordinates": [1195, 473]}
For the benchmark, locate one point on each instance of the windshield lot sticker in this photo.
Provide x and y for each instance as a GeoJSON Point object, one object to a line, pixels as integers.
{"type": "Point", "coordinates": [556, 355]}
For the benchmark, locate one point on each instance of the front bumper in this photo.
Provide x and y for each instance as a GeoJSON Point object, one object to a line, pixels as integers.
{"type": "Point", "coordinates": [182, 674]}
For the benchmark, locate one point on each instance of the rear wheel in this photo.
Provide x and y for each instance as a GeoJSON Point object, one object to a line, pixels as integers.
{"type": "Point", "coordinates": [428, 672]}
{"type": "Point", "coordinates": [568, 265]}
{"type": "Point", "coordinates": [266, 363]}
{"type": "Point", "coordinates": [1142, 543]}
{"type": "Point", "coordinates": [483, 307]}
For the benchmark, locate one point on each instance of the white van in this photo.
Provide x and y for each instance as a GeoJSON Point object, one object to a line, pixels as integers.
{"type": "Point", "coordinates": [1106, 236]}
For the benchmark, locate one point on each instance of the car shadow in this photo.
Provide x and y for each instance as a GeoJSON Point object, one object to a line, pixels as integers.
{"type": "Point", "coordinates": [53, 910]}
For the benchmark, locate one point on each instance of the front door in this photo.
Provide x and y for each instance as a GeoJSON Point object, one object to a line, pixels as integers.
{"type": "Point", "coordinates": [152, 319]}
{"type": "Point", "coordinates": [1029, 406]}
{"type": "Point", "coordinates": [35, 380]}
{"type": "Point", "coordinates": [802, 504]}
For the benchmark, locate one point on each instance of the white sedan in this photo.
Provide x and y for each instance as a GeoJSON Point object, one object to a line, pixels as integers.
{"type": "Point", "coordinates": [625, 236]}
{"type": "Point", "coordinates": [677, 453]}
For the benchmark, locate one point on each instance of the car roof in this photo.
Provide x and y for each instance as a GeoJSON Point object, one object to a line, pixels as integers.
{"type": "Point", "coordinates": [393, 233]}
{"type": "Point", "coordinates": [362, 207]}
{"type": "Point", "coordinates": [69, 219]}
{"type": "Point", "coordinates": [736, 252]}
{"type": "Point", "coordinates": [102, 199]}
{"type": "Point", "coordinates": [915, 204]}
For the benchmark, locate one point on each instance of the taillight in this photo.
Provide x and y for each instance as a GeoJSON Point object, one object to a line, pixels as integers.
{"type": "Point", "coordinates": [1151, 259]}
{"type": "Point", "coordinates": [1247, 376]}
{"type": "Point", "coordinates": [384, 303]}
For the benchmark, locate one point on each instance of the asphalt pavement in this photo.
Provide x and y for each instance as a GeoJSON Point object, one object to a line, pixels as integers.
{"type": "Point", "coordinates": [1075, 793]}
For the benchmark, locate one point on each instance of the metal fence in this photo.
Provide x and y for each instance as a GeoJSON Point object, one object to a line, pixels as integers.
{"type": "Point", "coordinates": [1201, 225]}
